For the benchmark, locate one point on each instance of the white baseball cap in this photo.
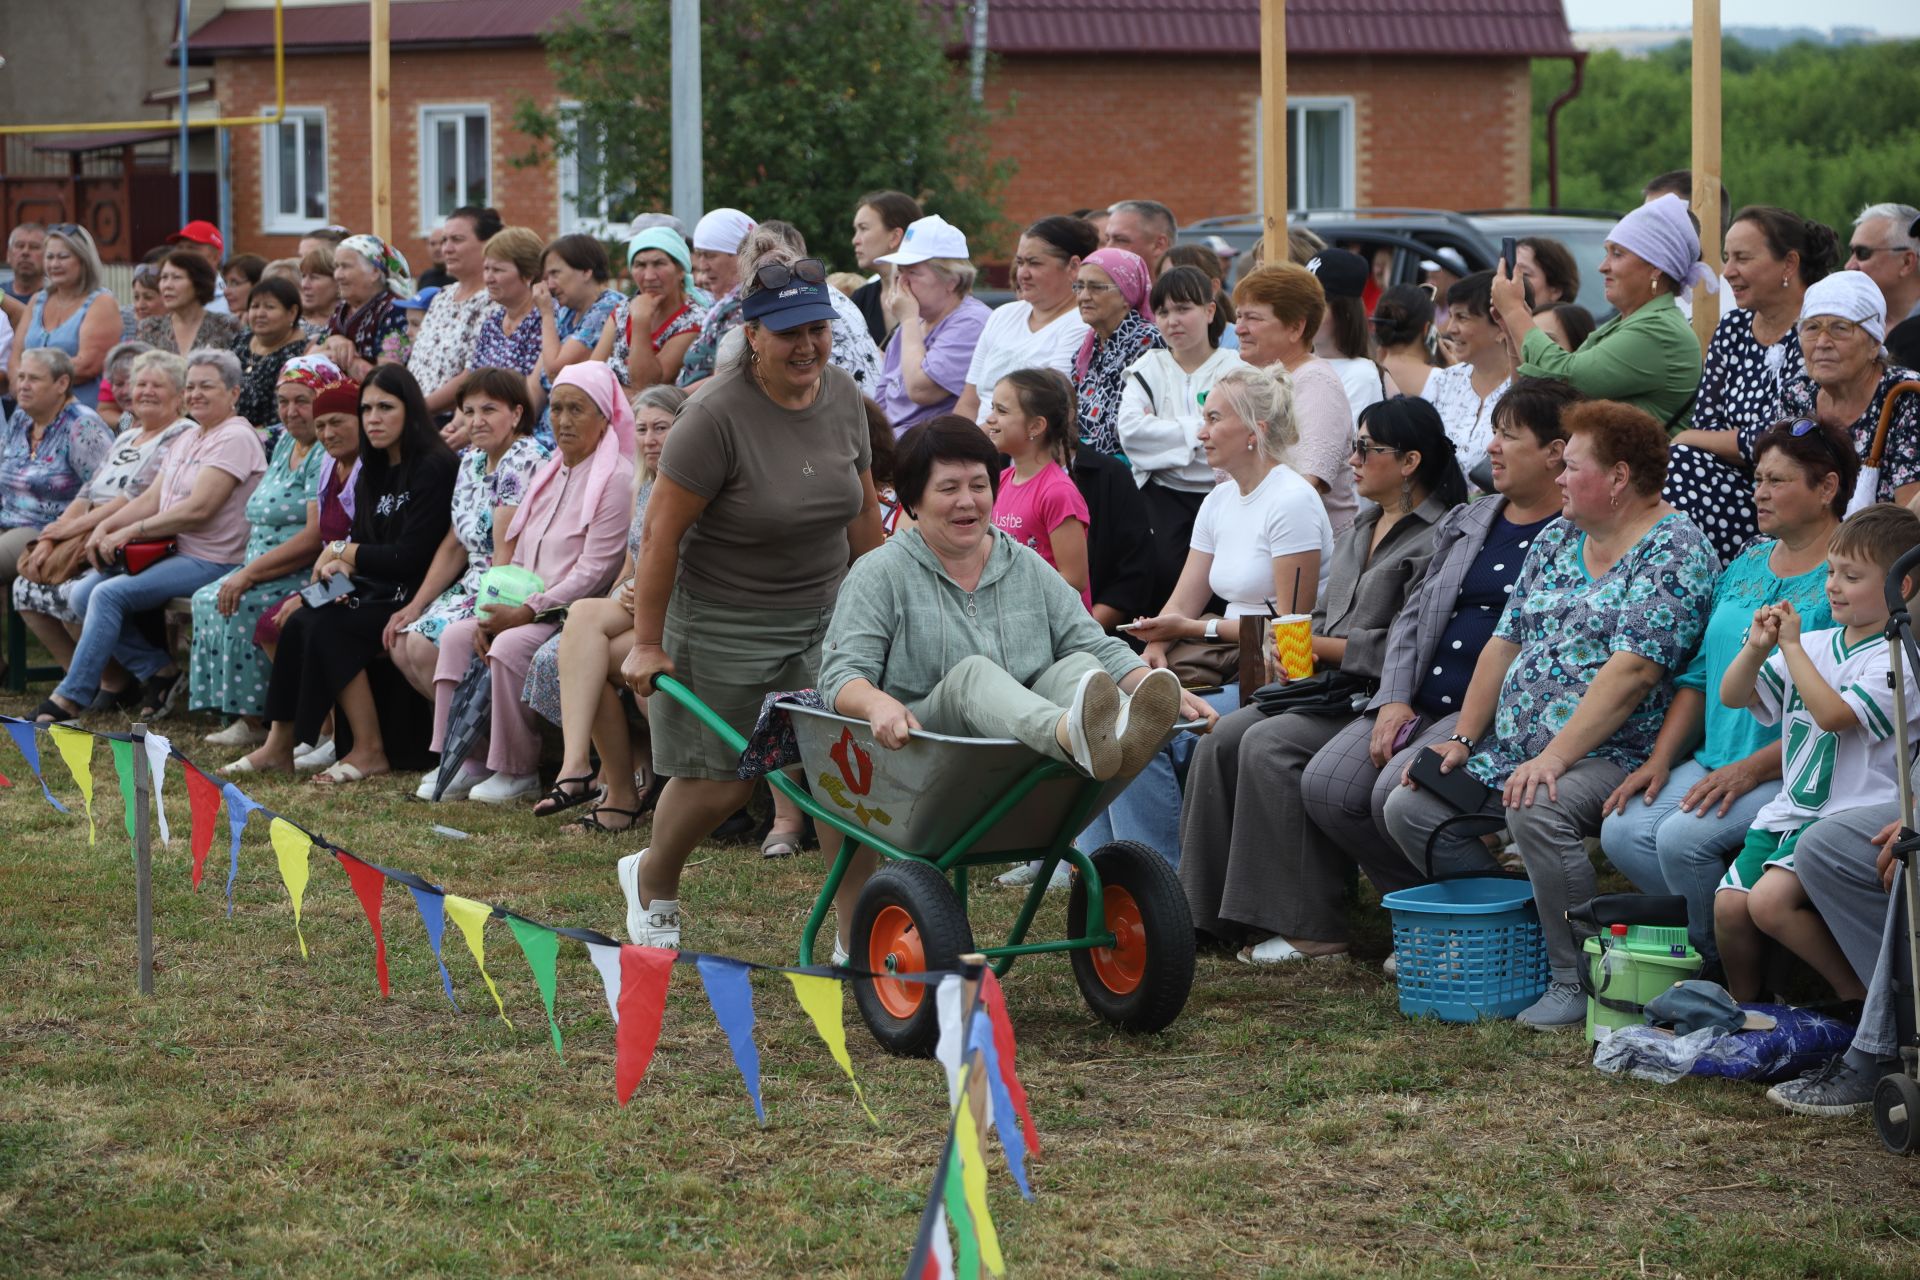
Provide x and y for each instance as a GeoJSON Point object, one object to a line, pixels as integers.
{"type": "Point", "coordinates": [931, 237]}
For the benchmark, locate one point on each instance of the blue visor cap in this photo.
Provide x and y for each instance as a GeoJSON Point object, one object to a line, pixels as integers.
{"type": "Point", "coordinates": [790, 306]}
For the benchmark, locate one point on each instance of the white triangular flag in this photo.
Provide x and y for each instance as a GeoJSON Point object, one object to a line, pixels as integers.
{"type": "Point", "coordinates": [158, 749]}
{"type": "Point", "coordinates": [607, 960]}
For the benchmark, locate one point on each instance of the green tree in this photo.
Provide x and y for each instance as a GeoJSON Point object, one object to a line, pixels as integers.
{"type": "Point", "coordinates": [805, 107]}
{"type": "Point", "coordinates": [1817, 129]}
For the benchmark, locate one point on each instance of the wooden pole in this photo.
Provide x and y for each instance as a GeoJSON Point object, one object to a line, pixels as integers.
{"type": "Point", "coordinates": [1273, 133]}
{"type": "Point", "coordinates": [143, 855]}
{"type": "Point", "coordinates": [380, 123]}
{"type": "Point", "coordinates": [1706, 156]}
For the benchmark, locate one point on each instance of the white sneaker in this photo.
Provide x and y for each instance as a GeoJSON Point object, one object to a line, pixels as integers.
{"type": "Point", "coordinates": [1092, 719]}
{"type": "Point", "coordinates": [649, 924]}
{"type": "Point", "coordinates": [1146, 719]}
{"type": "Point", "coordinates": [469, 777]}
{"type": "Point", "coordinates": [840, 956]}
{"type": "Point", "coordinates": [1027, 872]}
{"type": "Point", "coordinates": [1391, 966]}
{"type": "Point", "coordinates": [319, 756]}
{"type": "Point", "coordinates": [238, 734]}
{"type": "Point", "coordinates": [505, 788]}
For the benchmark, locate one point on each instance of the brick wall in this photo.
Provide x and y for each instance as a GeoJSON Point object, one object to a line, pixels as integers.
{"type": "Point", "coordinates": [1089, 131]}
{"type": "Point", "coordinates": [500, 78]}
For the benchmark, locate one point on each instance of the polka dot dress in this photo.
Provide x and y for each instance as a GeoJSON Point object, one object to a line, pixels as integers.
{"type": "Point", "coordinates": [1483, 598]}
{"type": "Point", "coordinates": [1739, 392]}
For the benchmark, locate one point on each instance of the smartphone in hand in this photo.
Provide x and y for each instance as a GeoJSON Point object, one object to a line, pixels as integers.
{"type": "Point", "coordinates": [1459, 789]}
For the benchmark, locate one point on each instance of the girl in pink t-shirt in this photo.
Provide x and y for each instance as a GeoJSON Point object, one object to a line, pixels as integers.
{"type": "Point", "coordinates": [1031, 420]}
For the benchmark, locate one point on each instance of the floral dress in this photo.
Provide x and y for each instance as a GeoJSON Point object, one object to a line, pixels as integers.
{"type": "Point", "coordinates": [260, 377]}
{"type": "Point", "coordinates": [36, 484]}
{"type": "Point", "coordinates": [217, 329]}
{"type": "Point", "coordinates": [1739, 391]}
{"type": "Point", "coordinates": [476, 492]}
{"type": "Point", "coordinates": [495, 348]}
{"type": "Point", "coordinates": [723, 317]}
{"type": "Point", "coordinates": [229, 672]}
{"type": "Point", "coordinates": [1098, 387]}
{"type": "Point", "coordinates": [686, 320]}
{"type": "Point", "coordinates": [543, 673]}
{"type": "Point", "coordinates": [1653, 602]}
{"type": "Point", "coordinates": [1899, 462]}
{"type": "Point", "coordinates": [444, 346]}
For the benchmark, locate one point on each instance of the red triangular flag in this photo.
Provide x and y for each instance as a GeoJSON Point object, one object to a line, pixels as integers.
{"type": "Point", "coordinates": [5, 781]}
{"type": "Point", "coordinates": [203, 798]}
{"type": "Point", "coordinates": [996, 1004]}
{"type": "Point", "coordinates": [644, 972]}
{"type": "Point", "coordinates": [368, 885]}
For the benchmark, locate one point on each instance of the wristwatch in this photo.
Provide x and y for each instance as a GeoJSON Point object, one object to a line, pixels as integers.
{"type": "Point", "coordinates": [1213, 628]}
{"type": "Point", "coordinates": [338, 549]}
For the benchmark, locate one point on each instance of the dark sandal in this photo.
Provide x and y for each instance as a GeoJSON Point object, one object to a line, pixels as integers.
{"type": "Point", "coordinates": [591, 823]}
{"type": "Point", "coordinates": [651, 796]}
{"type": "Point", "coordinates": [156, 695]}
{"type": "Point", "coordinates": [559, 799]}
{"type": "Point", "coordinates": [51, 712]}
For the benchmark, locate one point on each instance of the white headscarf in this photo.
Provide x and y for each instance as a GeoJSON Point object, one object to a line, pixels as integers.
{"type": "Point", "coordinates": [1850, 295]}
{"type": "Point", "coordinates": [722, 230]}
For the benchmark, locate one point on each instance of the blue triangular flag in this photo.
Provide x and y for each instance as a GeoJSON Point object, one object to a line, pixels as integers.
{"type": "Point", "coordinates": [22, 733]}
{"type": "Point", "coordinates": [433, 913]}
{"type": "Point", "coordinates": [239, 809]}
{"type": "Point", "coordinates": [1006, 1121]}
{"type": "Point", "coordinates": [731, 996]}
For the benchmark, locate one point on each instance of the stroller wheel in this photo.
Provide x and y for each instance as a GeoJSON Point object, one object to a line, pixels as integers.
{"type": "Point", "coordinates": [1896, 1112]}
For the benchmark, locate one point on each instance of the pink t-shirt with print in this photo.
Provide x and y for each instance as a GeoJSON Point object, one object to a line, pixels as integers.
{"type": "Point", "coordinates": [1029, 512]}
{"type": "Point", "coordinates": [232, 446]}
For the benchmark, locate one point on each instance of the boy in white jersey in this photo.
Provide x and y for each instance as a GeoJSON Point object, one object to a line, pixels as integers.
{"type": "Point", "coordinates": [1839, 747]}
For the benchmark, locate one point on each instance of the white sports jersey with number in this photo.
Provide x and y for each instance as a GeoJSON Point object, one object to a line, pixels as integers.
{"type": "Point", "coordinates": [1829, 772]}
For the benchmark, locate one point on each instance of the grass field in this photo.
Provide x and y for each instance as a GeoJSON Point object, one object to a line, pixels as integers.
{"type": "Point", "coordinates": [262, 1115]}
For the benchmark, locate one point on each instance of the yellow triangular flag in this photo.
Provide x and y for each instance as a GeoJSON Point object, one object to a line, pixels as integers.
{"type": "Point", "coordinates": [472, 917]}
{"type": "Point", "coordinates": [291, 846]}
{"type": "Point", "coordinates": [825, 1002]}
{"type": "Point", "coordinates": [76, 748]}
{"type": "Point", "coordinates": [973, 1181]}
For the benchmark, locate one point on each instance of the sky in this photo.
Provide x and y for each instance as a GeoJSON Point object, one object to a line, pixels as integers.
{"type": "Point", "coordinates": [1890, 17]}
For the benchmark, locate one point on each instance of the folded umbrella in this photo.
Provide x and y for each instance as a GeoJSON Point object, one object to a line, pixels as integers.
{"type": "Point", "coordinates": [468, 716]}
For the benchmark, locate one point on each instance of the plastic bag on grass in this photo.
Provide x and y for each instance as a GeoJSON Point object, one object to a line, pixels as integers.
{"type": "Point", "coordinates": [1801, 1041]}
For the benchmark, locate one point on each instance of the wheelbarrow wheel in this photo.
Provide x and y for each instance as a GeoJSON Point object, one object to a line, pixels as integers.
{"type": "Point", "coordinates": [1896, 1112]}
{"type": "Point", "coordinates": [907, 920]}
{"type": "Point", "coordinates": [1141, 983]}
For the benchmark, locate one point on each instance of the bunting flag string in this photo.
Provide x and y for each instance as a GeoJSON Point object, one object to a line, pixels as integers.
{"type": "Point", "coordinates": [730, 996]}
{"type": "Point", "coordinates": [239, 808]}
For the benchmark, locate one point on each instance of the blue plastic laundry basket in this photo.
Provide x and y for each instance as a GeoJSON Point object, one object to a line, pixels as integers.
{"type": "Point", "coordinates": [1468, 950]}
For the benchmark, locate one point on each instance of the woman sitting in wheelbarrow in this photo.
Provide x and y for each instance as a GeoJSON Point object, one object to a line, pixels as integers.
{"type": "Point", "coordinates": [955, 628]}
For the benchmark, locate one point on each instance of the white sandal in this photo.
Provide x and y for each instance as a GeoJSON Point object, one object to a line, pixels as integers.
{"type": "Point", "coordinates": [1277, 950]}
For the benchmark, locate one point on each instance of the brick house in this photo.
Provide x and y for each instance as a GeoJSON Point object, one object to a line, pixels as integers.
{"type": "Point", "coordinates": [1390, 102]}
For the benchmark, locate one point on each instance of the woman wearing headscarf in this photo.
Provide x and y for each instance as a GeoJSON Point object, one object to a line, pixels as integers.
{"type": "Point", "coordinates": [716, 269]}
{"type": "Point", "coordinates": [369, 327]}
{"type": "Point", "coordinates": [666, 310]}
{"type": "Point", "coordinates": [570, 532]}
{"type": "Point", "coordinates": [1112, 287]}
{"type": "Point", "coordinates": [1843, 321]}
{"type": "Point", "coordinates": [1647, 356]}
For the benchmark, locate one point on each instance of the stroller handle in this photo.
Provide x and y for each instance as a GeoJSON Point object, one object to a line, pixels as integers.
{"type": "Point", "coordinates": [1896, 602]}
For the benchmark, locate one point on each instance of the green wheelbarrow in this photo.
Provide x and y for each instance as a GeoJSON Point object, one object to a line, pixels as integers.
{"type": "Point", "coordinates": [937, 808]}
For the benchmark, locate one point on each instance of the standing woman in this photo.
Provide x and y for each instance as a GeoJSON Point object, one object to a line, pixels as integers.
{"type": "Point", "coordinates": [273, 338]}
{"type": "Point", "coordinates": [880, 222]}
{"type": "Point", "coordinates": [1041, 328]}
{"type": "Point", "coordinates": [1772, 257]}
{"type": "Point", "coordinates": [187, 284]}
{"type": "Point", "coordinates": [662, 312]}
{"type": "Point", "coordinates": [1466, 391]}
{"type": "Point", "coordinates": [575, 299]}
{"type": "Point", "coordinates": [764, 497]}
{"type": "Point", "coordinates": [369, 327]}
{"type": "Point", "coordinates": [1402, 329]}
{"type": "Point", "coordinates": [73, 313]}
{"type": "Point", "coordinates": [937, 324]}
{"type": "Point", "coordinates": [402, 505]}
{"type": "Point", "coordinates": [1112, 287]}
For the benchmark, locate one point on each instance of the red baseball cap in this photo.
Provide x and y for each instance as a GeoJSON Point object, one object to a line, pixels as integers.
{"type": "Point", "coordinates": [199, 233]}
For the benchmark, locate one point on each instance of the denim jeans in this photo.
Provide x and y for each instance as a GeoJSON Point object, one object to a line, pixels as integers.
{"type": "Point", "coordinates": [1148, 811]}
{"type": "Point", "coordinates": [108, 602]}
{"type": "Point", "coordinates": [1663, 850]}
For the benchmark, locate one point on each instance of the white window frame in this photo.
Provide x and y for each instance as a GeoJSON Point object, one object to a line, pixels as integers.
{"type": "Point", "coordinates": [273, 219]}
{"type": "Point", "coordinates": [593, 221]}
{"type": "Point", "coordinates": [431, 113]}
{"type": "Point", "coordinates": [1297, 149]}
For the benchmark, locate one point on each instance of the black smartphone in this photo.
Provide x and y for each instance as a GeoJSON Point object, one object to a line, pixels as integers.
{"type": "Point", "coordinates": [1510, 254]}
{"type": "Point", "coordinates": [327, 590]}
{"type": "Point", "coordinates": [1460, 789]}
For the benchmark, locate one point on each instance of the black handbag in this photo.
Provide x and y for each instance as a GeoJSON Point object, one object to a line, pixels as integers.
{"type": "Point", "coordinates": [1325, 693]}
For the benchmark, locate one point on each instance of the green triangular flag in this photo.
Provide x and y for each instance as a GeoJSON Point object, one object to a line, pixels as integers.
{"type": "Point", "coordinates": [966, 1259]}
{"type": "Point", "coordinates": [542, 948]}
{"type": "Point", "coordinates": [123, 766]}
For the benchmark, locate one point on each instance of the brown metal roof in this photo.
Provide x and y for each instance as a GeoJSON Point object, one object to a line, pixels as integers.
{"type": "Point", "coordinates": [1388, 28]}
{"type": "Point", "coordinates": [317, 28]}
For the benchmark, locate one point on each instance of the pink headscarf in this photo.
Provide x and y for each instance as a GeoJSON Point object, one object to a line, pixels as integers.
{"type": "Point", "coordinates": [595, 379]}
{"type": "Point", "coordinates": [1130, 275]}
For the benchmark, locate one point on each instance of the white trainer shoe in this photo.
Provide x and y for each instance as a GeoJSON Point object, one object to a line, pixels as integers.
{"type": "Point", "coordinates": [505, 788]}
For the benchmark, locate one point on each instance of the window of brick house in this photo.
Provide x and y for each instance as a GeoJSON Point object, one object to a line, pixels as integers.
{"type": "Point", "coordinates": [293, 171]}
{"type": "Point", "coordinates": [584, 203]}
{"type": "Point", "coordinates": [455, 161]}
{"type": "Point", "coordinates": [1320, 164]}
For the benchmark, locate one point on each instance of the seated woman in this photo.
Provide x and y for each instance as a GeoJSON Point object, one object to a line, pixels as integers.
{"type": "Point", "coordinates": [274, 337]}
{"type": "Point", "coordinates": [511, 328]}
{"type": "Point", "coordinates": [662, 310]}
{"type": "Point", "coordinates": [1568, 323]}
{"type": "Point", "coordinates": [229, 670]}
{"type": "Point", "coordinates": [575, 299]}
{"type": "Point", "coordinates": [1549, 270]}
{"type": "Point", "coordinates": [1466, 391]}
{"type": "Point", "coordinates": [1160, 415]}
{"type": "Point", "coordinates": [1280, 308]}
{"type": "Point", "coordinates": [319, 294]}
{"type": "Point", "coordinates": [495, 474]}
{"type": "Point", "coordinates": [1569, 694]}
{"type": "Point", "coordinates": [1403, 331]}
{"type": "Point", "coordinates": [1647, 356]}
{"type": "Point", "coordinates": [187, 285]}
{"type": "Point", "coordinates": [1843, 321]}
{"type": "Point", "coordinates": [1676, 821]}
{"type": "Point", "coordinates": [43, 593]}
{"type": "Point", "coordinates": [574, 679]}
{"type": "Point", "coordinates": [1344, 340]}
{"type": "Point", "coordinates": [199, 503]}
{"type": "Point", "coordinates": [402, 505]}
{"type": "Point", "coordinates": [369, 327]}
{"type": "Point", "coordinates": [1245, 861]}
{"type": "Point", "coordinates": [567, 532]}
{"type": "Point", "coordinates": [717, 240]}
{"type": "Point", "coordinates": [1041, 328]}
{"type": "Point", "coordinates": [937, 324]}
{"type": "Point", "coordinates": [1113, 288]}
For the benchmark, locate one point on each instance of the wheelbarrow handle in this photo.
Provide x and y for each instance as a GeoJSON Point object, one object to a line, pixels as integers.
{"type": "Point", "coordinates": [705, 714]}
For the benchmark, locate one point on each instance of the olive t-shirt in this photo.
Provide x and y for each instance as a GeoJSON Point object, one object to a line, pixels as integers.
{"type": "Point", "coordinates": [781, 487]}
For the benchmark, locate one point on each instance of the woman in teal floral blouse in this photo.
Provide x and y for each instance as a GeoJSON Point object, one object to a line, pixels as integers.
{"type": "Point", "coordinates": [1569, 695]}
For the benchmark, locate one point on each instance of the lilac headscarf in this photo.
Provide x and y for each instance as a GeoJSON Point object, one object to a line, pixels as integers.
{"type": "Point", "coordinates": [1661, 232]}
{"type": "Point", "coordinates": [1130, 275]}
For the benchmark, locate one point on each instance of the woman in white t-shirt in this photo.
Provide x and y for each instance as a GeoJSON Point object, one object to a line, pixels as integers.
{"type": "Point", "coordinates": [1344, 339]}
{"type": "Point", "coordinates": [1042, 328]}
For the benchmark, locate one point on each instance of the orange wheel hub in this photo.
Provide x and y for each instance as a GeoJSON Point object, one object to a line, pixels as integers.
{"type": "Point", "coordinates": [894, 947]}
{"type": "Point", "coordinates": [1121, 966]}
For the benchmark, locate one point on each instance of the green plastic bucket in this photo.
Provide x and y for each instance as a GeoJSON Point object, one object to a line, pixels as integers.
{"type": "Point", "coordinates": [1632, 971]}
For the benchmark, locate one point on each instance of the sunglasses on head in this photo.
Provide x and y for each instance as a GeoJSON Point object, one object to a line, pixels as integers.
{"type": "Point", "coordinates": [1808, 427]}
{"type": "Point", "coordinates": [778, 275]}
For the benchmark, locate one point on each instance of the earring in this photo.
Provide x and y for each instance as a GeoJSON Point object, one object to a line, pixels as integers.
{"type": "Point", "coordinates": [1786, 282]}
{"type": "Point", "coordinates": [1616, 501]}
{"type": "Point", "coordinates": [1653, 285]}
